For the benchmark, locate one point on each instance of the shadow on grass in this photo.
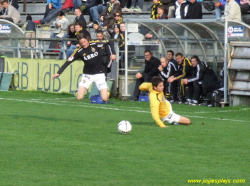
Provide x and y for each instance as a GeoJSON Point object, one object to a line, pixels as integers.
{"type": "Point", "coordinates": [39, 117]}
{"type": "Point", "coordinates": [143, 123]}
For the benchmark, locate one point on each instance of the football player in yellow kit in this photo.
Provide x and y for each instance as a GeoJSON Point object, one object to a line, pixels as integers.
{"type": "Point", "coordinates": [161, 109]}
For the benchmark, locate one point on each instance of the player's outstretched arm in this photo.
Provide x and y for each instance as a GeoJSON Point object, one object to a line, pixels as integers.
{"type": "Point", "coordinates": [54, 76]}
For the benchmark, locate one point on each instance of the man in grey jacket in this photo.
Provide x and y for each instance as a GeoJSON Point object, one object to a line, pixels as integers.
{"type": "Point", "coordinates": [11, 13]}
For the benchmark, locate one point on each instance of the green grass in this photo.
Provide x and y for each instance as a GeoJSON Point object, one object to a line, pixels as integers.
{"type": "Point", "coordinates": [53, 139]}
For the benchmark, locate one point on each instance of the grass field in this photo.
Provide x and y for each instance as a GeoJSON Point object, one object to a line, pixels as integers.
{"type": "Point", "coordinates": [53, 139]}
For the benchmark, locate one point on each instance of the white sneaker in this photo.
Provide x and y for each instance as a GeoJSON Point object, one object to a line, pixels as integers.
{"type": "Point", "coordinates": [131, 9]}
{"type": "Point", "coordinates": [90, 24]}
{"type": "Point", "coordinates": [137, 9]}
{"type": "Point", "coordinates": [125, 9]}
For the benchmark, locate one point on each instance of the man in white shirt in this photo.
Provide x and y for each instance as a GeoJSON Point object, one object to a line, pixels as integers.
{"type": "Point", "coordinates": [11, 13]}
{"type": "Point", "coordinates": [232, 11]}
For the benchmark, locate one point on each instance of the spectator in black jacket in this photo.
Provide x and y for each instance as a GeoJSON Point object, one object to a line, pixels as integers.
{"type": "Point", "coordinates": [185, 69]}
{"type": "Point", "coordinates": [118, 36]}
{"type": "Point", "coordinates": [197, 83]}
{"type": "Point", "coordinates": [173, 85]}
{"type": "Point", "coordinates": [194, 10]}
{"type": "Point", "coordinates": [80, 18]}
{"type": "Point", "coordinates": [150, 70]}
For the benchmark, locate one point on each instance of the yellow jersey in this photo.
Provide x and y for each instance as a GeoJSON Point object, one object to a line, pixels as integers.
{"type": "Point", "coordinates": [159, 107]}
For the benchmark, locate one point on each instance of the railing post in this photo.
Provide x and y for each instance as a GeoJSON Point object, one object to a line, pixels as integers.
{"type": "Point", "coordinates": [41, 49]}
{"type": "Point", "coordinates": [225, 61]}
{"type": "Point", "coordinates": [18, 49]}
{"type": "Point", "coordinates": [64, 50]}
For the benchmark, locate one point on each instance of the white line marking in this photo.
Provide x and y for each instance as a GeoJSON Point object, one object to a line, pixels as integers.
{"type": "Point", "coordinates": [86, 105]}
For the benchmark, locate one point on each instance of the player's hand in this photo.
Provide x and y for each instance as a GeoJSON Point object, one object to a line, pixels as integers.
{"type": "Point", "coordinates": [185, 81]}
{"type": "Point", "coordinates": [160, 68]}
{"type": "Point", "coordinates": [138, 75]}
{"type": "Point", "coordinates": [54, 76]}
{"type": "Point", "coordinates": [112, 57]}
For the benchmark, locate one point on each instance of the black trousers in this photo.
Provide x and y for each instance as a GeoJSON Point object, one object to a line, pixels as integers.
{"type": "Point", "coordinates": [139, 82]}
{"type": "Point", "coordinates": [166, 87]}
{"type": "Point", "coordinates": [183, 90]}
{"type": "Point", "coordinates": [194, 90]}
{"type": "Point", "coordinates": [174, 90]}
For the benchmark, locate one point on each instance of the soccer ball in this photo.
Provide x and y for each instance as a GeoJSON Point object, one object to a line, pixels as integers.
{"type": "Point", "coordinates": [124, 127]}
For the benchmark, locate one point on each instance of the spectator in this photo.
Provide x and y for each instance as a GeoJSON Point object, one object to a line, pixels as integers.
{"type": "Point", "coordinates": [77, 4]}
{"type": "Point", "coordinates": [232, 11]}
{"type": "Point", "coordinates": [154, 14]}
{"type": "Point", "coordinates": [52, 8]}
{"type": "Point", "coordinates": [30, 32]}
{"type": "Point", "coordinates": [103, 28]}
{"type": "Point", "coordinates": [167, 69]}
{"type": "Point", "coordinates": [79, 17]}
{"type": "Point", "coordinates": [122, 28]}
{"type": "Point", "coordinates": [71, 35]}
{"type": "Point", "coordinates": [108, 13]}
{"type": "Point", "coordinates": [181, 9]}
{"type": "Point", "coordinates": [201, 77]}
{"type": "Point", "coordinates": [86, 8]}
{"type": "Point", "coordinates": [118, 36]}
{"type": "Point", "coordinates": [78, 29]}
{"type": "Point", "coordinates": [164, 75]}
{"type": "Point", "coordinates": [1, 8]}
{"type": "Point", "coordinates": [244, 6]}
{"type": "Point", "coordinates": [216, 84]}
{"type": "Point", "coordinates": [11, 13]}
{"type": "Point", "coordinates": [194, 10]}
{"type": "Point", "coordinates": [161, 10]}
{"type": "Point", "coordinates": [118, 19]}
{"type": "Point", "coordinates": [61, 25]}
{"type": "Point", "coordinates": [219, 6]}
{"type": "Point", "coordinates": [96, 10]}
{"type": "Point", "coordinates": [105, 56]}
{"type": "Point", "coordinates": [173, 70]}
{"type": "Point", "coordinates": [14, 3]}
{"type": "Point", "coordinates": [150, 70]}
{"type": "Point", "coordinates": [185, 69]}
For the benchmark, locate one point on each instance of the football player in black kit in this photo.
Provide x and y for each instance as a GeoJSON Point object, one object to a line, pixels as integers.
{"type": "Point", "coordinates": [91, 54]}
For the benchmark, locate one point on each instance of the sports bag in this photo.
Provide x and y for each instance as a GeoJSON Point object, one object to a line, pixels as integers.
{"type": "Point", "coordinates": [208, 5]}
